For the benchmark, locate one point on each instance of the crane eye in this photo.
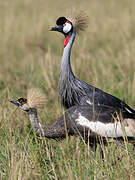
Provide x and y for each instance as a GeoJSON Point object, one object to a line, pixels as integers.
{"type": "Point", "coordinates": [67, 27]}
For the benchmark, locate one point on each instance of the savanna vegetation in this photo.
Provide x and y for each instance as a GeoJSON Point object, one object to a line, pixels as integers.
{"type": "Point", "coordinates": [30, 56]}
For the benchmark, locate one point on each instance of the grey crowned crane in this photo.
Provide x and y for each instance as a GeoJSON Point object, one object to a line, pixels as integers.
{"type": "Point", "coordinates": [91, 124]}
{"type": "Point", "coordinates": [73, 91]}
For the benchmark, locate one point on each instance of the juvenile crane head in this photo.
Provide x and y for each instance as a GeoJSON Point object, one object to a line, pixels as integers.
{"type": "Point", "coordinates": [74, 21]}
{"type": "Point", "coordinates": [35, 99]}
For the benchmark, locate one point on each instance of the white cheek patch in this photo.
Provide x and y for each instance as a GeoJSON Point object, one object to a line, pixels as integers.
{"type": "Point", "coordinates": [115, 129]}
{"type": "Point", "coordinates": [67, 27]}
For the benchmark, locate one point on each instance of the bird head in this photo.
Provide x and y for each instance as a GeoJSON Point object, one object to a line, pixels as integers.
{"type": "Point", "coordinates": [35, 99]}
{"type": "Point", "coordinates": [77, 20]}
{"type": "Point", "coordinates": [21, 103]}
{"type": "Point", "coordinates": [63, 25]}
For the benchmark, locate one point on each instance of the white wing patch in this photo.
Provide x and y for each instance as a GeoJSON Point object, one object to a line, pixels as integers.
{"type": "Point", "coordinates": [115, 129]}
{"type": "Point", "coordinates": [89, 102]}
{"type": "Point", "coordinates": [128, 110]}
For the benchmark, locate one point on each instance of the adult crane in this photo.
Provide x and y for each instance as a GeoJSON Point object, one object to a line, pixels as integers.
{"type": "Point", "coordinates": [73, 91]}
{"type": "Point", "coordinates": [85, 121]}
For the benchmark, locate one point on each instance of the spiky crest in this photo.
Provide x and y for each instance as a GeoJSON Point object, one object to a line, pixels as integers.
{"type": "Point", "coordinates": [36, 98]}
{"type": "Point", "coordinates": [78, 18]}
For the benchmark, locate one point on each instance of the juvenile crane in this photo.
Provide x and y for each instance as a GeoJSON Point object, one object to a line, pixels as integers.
{"type": "Point", "coordinates": [73, 91]}
{"type": "Point", "coordinates": [91, 124]}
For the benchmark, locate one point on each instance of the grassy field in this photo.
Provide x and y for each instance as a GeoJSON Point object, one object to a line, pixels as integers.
{"type": "Point", "coordinates": [30, 56]}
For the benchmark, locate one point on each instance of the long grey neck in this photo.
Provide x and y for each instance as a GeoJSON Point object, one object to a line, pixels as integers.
{"type": "Point", "coordinates": [33, 117]}
{"type": "Point", "coordinates": [56, 130]}
{"type": "Point", "coordinates": [66, 70]}
{"type": "Point", "coordinates": [68, 88]}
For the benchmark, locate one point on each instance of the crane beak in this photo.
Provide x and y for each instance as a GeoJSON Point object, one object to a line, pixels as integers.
{"type": "Point", "coordinates": [58, 28]}
{"type": "Point", "coordinates": [14, 102]}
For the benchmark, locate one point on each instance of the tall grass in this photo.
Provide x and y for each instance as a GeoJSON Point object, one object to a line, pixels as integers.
{"type": "Point", "coordinates": [30, 56]}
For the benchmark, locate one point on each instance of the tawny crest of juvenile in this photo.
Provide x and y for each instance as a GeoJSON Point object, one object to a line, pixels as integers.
{"type": "Point", "coordinates": [36, 98]}
{"type": "Point", "coordinates": [79, 19]}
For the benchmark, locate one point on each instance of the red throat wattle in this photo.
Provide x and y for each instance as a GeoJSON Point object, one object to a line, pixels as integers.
{"type": "Point", "coordinates": [66, 41]}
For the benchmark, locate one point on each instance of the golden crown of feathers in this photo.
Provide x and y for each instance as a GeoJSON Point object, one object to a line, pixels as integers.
{"type": "Point", "coordinates": [36, 98]}
{"type": "Point", "coordinates": [79, 19]}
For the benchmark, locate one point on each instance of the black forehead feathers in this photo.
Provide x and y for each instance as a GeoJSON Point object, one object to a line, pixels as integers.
{"type": "Point", "coordinates": [61, 20]}
{"type": "Point", "coordinates": [22, 101]}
